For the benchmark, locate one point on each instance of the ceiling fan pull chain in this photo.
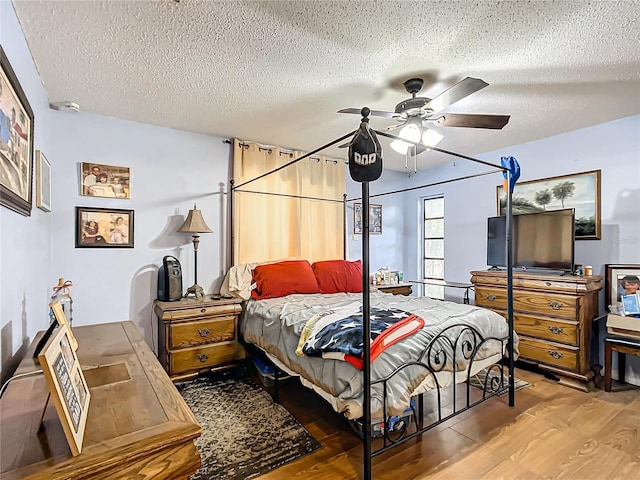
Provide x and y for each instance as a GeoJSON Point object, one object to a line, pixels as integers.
{"type": "Point", "coordinates": [415, 159]}
{"type": "Point", "coordinates": [406, 160]}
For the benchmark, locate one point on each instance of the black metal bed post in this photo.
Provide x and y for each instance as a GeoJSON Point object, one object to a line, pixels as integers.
{"type": "Point", "coordinates": [344, 226]}
{"type": "Point", "coordinates": [366, 332]}
{"type": "Point", "coordinates": [231, 226]}
{"type": "Point", "coordinates": [512, 385]}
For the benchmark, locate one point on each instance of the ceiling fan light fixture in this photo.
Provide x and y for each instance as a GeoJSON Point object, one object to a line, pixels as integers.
{"type": "Point", "coordinates": [431, 138]}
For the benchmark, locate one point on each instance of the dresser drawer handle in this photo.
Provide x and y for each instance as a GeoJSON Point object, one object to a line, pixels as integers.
{"type": "Point", "coordinates": [555, 305]}
{"type": "Point", "coordinates": [203, 332]}
{"type": "Point", "coordinates": [555, 354]}
{"type": "Point", "coordinates": [202, 357]}
{"type": "Point", "coordinates": [556, 330]}
{"type": "Point", "coordinates": [203, 310]}
{"type": "Point", "coordinates": [491, 297]}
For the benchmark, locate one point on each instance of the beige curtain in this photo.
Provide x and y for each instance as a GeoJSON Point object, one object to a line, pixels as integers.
{"type": "Point", "coordinates": [271, 227]}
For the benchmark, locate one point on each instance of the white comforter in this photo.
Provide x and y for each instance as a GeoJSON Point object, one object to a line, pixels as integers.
{"type": "Point", "coordinates": [275, 325]}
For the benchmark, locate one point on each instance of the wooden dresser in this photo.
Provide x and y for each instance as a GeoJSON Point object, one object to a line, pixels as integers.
{"type": "Point", "coordinates": [195, 335]}
{"type": "Point", "coordinates": [138, 425]}
{"type": "Point", "coordinates": [553, 317]}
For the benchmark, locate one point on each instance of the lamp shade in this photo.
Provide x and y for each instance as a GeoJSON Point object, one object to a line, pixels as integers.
{"type": "Point", "coordinates": [194, 223]}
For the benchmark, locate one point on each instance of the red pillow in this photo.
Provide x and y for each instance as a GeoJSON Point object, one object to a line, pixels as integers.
{"type": "Point", "coordinates": [336, 276]}
{"type": "Point", "coordinates": [283, 278]}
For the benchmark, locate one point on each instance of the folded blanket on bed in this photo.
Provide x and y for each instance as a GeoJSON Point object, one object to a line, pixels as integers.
{"type": "Point", "coordinates": [338, 333]}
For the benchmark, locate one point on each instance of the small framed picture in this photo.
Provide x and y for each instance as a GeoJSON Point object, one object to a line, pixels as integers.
{"type": "Point", "coordinates": [110, 181]}
{"type": "Point", "coordinates": [61, 318]}
{"type": "Point", "coordinates": [375, 219]}
{"type": "Point", "coordinates": [43, 182]}
{"type": "Point", "coordinates": [69, 391]}
{"type": "Point", "coordinates": [620, 280]}
{"type": "Point", "coordinates": [104, 227]}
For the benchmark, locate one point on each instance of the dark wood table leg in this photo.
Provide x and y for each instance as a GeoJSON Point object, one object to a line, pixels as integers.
{"type": "Point", "coordinates": [621, 366]}
{"type": "Point", "coordinates": [607, 366]}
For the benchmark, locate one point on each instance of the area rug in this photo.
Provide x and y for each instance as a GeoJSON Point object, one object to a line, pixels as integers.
{"type": "Point", "coordinates": [478, 381]}
{"type": "Point", "coordinates": [244, 433]}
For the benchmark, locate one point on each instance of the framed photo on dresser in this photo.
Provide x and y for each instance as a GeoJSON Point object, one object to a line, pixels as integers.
{"type": "Point", "coordinates": [67, 385]}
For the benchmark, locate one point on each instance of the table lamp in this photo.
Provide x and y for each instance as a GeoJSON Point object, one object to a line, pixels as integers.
{"type": "Point", "coordinates": [195, 224]}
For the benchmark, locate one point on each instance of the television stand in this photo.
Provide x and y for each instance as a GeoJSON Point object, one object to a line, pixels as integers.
{"type": "Point", "coordinates": [553, 317]}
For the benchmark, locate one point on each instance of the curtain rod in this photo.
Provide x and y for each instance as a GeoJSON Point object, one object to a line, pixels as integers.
{"type": "Point", "coordinates": [290, 195]}
{"type": "Point", "coordinates": [296, 160]}
{"type": "Point", "coordinates": [427, 185]}
{"type": "Point", "coordinates": [246, 143]}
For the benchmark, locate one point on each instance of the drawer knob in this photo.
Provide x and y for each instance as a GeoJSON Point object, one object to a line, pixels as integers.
{"type": "Point", "coordinates": [202, 357]}
{"type": "Point", "coordinates": [556, 330]}
{"type": "Point", "coordinates": [203, 310]}
{"type": "Point", "coordinates": [555, 354]}
{"type": "Point", "coordinates": [203, 332]}
{"type": "Point", "coordinates": [548, 284]}
{"type": "Point", "coordinates": [491, 297]}
{"type": "Point", "coordinates": [555, 305]}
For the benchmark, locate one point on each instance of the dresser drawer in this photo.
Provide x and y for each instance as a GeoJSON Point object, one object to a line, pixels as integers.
{"type": "Point", "coordinates": [561, 331]}
{"type": "Point", "coordinates": [524, 301]}
{"type": "Point", "coordinates": [204, 331]}
{"type": "Point", "coordinates": [193, 359]}
{"type": "Point", "coordinates": [202, 311]}
{"type": "Point", "coordinates": [562, 356]}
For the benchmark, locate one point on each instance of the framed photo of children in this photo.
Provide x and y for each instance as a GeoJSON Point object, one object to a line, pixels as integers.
{"type": "Point", "coordinates": [620, 280]}
{"type": "Point", "coordinates": [104, 227]}
{"type": "Point", "coordinates": [16, 142]}
{"type": "Point", "coordinates": [69, 391]}
{"type": "Point", "coordinates": [109, 181]}
{"type": "Point", "coordinates": [375, 219]}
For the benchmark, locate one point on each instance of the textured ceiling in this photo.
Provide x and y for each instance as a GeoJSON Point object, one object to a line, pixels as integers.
{"type": "Point", "coordinates": [277, 71]}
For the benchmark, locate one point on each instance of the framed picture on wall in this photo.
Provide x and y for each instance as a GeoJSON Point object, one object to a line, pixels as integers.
{"type": "Point", "coordinates": [16, 142]}
{"type": "Point", "coordinates": [375, 219]}
{"type": "Point", "coordinates": [109, 181]}
{"type": "Point", "coordinates": [580, 191]}
{"type": "Point", "coordinates": [43, 182]}
{"type": "Point", "coordinates": [104, 227]}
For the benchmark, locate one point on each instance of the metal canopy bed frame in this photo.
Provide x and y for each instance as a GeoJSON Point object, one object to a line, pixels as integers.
{"type": "Point", "coordinates": [433, 357]}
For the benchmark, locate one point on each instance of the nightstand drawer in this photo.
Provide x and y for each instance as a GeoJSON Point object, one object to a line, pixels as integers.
{"type": "Point", "coordinates": [202, 311]}
{"type": "Point", "coordinates": [194, 359]}
{"type": "Point", "coordinates": [562, 356]}
{"type": "Point", "coordinates": [202, 331]}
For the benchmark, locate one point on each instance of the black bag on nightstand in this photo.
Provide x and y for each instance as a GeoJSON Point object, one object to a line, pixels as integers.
{"type": "Point", "coordinates": [170, 280]}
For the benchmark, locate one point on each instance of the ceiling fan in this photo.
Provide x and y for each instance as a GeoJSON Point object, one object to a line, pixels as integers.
{"type": "Point", "coordinates": [416, 113]}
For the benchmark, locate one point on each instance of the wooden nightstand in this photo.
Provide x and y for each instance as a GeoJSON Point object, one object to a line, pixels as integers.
{"type": "Point", "coordinates": [196, 335]}
{"type": "Point", "coordinates": [396, 289]}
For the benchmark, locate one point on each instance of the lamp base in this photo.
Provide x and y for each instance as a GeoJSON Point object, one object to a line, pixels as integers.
{"type": "Point", "coordinates": [195, 290]}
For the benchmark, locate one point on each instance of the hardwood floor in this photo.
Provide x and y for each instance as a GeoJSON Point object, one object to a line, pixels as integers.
{"type": "Point", "coordinates": [552, 432]}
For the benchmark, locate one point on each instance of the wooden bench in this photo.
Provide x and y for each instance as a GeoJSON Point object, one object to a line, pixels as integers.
{"type": "Point", "coordinates": [622, 345]}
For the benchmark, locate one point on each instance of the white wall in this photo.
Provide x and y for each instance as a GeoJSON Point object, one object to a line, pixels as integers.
{"type": "Point", "coordinates": [170, 170]}
{"type": "Point", "coordinates": [25, 257]}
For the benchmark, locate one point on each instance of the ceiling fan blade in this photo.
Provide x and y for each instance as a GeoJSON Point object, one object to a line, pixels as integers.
{"type": "Point", "coordinates": [375, 113]}
{"type": "Point", "coordinates": [463, 88]}
{"type": "Point", "coordinates": [472, 121]}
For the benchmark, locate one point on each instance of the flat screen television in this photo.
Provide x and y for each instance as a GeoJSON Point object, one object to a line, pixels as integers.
{"type": "Point", "coordinates": [543, 240]}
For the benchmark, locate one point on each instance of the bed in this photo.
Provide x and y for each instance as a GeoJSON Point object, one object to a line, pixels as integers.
{"type": "Point", "coordinates": [275, 325]}
{"type": "Point", "coordinates": [454, 343]}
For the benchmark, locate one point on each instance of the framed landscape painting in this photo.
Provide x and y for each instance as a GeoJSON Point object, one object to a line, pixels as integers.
{"type": "Point", "coordinates": [580, 191]}
{"type": "Point", "coordinates": [104, 227]}
{"type": "Point", "coordinates": [16, 142]}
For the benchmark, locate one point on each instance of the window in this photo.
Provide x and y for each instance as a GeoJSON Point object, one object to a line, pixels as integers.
{"type": "Point", "coordinates": [433, 248]}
